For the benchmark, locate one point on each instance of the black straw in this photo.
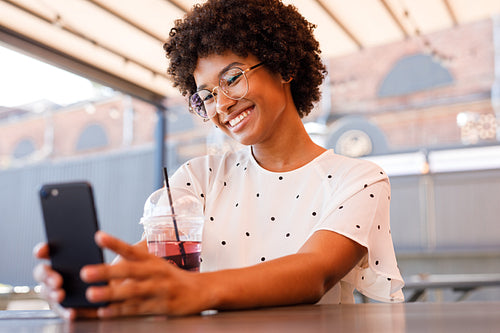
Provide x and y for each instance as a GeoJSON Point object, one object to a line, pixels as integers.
{"type": "Point", "coordinates": [181, 245]}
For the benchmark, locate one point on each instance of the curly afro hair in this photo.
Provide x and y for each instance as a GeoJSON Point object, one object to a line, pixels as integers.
{"type": "Point", "coordinates": [273, 32]}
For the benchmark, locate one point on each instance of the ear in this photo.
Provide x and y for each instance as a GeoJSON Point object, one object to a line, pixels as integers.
{"type": "Point", "coordinates": [287, 81]}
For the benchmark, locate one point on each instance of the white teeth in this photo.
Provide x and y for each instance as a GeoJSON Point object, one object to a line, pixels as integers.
{"type": "Point", "coordinates": [236, 121]}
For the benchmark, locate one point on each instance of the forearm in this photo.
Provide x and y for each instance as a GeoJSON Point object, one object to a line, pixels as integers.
{"type": "Point", "coordinates": [298, 278]}
{"type": "Point", "coordinates": [293, 279]}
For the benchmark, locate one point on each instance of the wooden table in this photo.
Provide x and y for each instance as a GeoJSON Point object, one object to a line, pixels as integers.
{"type": "Point", "coordinates": [409, 317]}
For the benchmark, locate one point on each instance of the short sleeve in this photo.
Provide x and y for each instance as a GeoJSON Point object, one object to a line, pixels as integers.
{"type": "Point", "coordinates": [364, 218]}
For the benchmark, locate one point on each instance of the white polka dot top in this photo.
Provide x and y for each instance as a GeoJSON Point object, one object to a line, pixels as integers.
{"type": "Point", "coordinates": [254, 215]}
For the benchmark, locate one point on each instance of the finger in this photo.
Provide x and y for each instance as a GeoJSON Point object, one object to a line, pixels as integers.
{"type": "Point", "coordinates": [52, 295]}
{"type": "Point", "coordinates": [71, 314]}
{"type": "Point", "coordinates": [41, 251]}
{"type": "Point", "coordinates": [129, 289]}
{"type": "Point", "coordinates": [134, 307]}
{"type": "Point", "coordinates": [44, 274]}
{"type": "Point", "coordinates": [128, 269]}
{"type": "Point", "coordinates": [68, 314]}
{"type": "Point", "coordinates": [123, 249]}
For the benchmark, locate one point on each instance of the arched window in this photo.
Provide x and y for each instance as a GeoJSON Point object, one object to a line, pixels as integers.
{"type": "Point", "coordinates": [24, 148]}
{"type": "Point", "coordinates": [412, 74]}
{"type": "Point", "coordinates": [92, 137]}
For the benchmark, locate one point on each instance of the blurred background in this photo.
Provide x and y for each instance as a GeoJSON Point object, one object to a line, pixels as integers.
{"type": "Point", "coordinates": [413, 85]}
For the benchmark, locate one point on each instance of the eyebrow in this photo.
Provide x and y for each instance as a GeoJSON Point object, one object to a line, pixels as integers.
{"type": "Point", "coordinates": [225, 68]}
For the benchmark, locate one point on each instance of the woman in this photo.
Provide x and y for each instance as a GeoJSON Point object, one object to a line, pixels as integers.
{"type": "Point", "coordinates": [287, 221]}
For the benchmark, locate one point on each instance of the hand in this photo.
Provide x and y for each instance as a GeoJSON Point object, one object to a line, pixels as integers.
{"type": "Point", "coordinates": [147, 284]}
{"type": "Point", "coordinates": [51, 287]}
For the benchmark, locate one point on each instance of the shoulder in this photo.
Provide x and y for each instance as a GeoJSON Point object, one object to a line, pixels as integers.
{"type": "Point", "coordinates": [215, 162]}
{"type": "Point", "coordinates": [349, 170]}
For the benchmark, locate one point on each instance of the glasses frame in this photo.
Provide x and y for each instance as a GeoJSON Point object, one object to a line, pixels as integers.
{"type": "Point", "coordinates": [243, 73]}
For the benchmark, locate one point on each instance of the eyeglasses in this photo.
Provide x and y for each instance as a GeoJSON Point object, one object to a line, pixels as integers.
{"type": "Point", "coordinates": [234, 85]}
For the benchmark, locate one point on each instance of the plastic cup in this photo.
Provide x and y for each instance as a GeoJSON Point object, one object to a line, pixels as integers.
{"type": "Point", "coordinates": [162, 239]}
{"type": "Point", "coordinates": [184, 246]}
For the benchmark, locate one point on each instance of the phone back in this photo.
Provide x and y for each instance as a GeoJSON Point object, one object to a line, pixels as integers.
{"type": "Point", "coordinates": [70, 224]}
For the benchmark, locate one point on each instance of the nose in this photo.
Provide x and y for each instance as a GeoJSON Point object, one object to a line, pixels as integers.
{"type": "Point", "coordinates": [223, 103]}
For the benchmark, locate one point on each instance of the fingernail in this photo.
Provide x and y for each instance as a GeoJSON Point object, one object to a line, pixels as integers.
{"type": "Point", "coordinates": [88, 274]}
{"type": "Point", "coordinates": [52, 281]}
{"type": "Point", "coordinates": [54, 295]}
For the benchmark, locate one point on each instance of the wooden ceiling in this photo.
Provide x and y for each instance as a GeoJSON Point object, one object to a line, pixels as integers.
{"type": "Point", "coordinates": [119, 43]}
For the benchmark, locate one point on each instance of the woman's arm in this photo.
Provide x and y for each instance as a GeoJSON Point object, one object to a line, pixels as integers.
{"type": "Point", "coordinates": [154, 286]}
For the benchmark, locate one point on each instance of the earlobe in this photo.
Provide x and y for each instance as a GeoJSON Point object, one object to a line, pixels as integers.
{"type": "Point", "coordinates": [288, 81]}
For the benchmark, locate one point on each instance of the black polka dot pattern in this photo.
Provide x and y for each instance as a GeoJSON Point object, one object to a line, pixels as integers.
{"type": "Point", "coordinates": [262, 202]}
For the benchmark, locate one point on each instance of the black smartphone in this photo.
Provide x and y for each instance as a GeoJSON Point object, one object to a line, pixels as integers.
{"type": "Point", "coordinates": [71, 222]}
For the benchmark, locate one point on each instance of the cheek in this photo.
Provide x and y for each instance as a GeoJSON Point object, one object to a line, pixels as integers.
{"type": "Point", "coordinates": [215, 120]}
{"type": "Point", "coordinates": [218, 125]}
{"type": "Point", "coordinates": [271, 90]}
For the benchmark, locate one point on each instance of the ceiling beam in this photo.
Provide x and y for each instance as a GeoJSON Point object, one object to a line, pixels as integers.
{"type": "Point", "coordinates": [178, 5]}
{"type": "Point", "coordinates": [451, 12]}
{"type": "Point", "coordinates": [113, 12]}
{"type": "Point", "coordinates": [58, 22]}
{"type": "Point", "coordinates": [395, 18]}
{"type": "Point", "coordinates": [340, 24]}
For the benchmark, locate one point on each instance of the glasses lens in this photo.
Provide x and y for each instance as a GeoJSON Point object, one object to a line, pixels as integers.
{"type": "Point", "coordinates": [234, 83]}
{"type": "Point", "coordinates": [201, 101]}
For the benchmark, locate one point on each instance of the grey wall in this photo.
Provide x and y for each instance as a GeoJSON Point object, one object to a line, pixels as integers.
{"type": "Point", "coordinates": [447, 212]}
{"type": "Point", "coordinates": [121, 182]}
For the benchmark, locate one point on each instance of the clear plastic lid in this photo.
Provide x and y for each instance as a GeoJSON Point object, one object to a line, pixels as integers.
{"type": "Point", "coordinates": [185, 204]}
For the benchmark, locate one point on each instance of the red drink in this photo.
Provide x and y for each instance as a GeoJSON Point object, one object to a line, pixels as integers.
{"type": "Point", "coordinates": [170, 250]}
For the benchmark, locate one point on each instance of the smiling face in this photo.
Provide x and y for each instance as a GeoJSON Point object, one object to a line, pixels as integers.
{"type": "Point", "coordinates": [257, 117]}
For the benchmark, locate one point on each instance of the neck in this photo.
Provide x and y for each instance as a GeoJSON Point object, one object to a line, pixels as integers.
{"type": "Point", "coordinates": [289, 150]}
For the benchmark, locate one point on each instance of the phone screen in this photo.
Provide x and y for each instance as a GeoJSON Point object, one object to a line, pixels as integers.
{"type": "Point", "coordinates": [70, 225]}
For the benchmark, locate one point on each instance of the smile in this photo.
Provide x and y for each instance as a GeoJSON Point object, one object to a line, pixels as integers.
{"type": "Point", "coordinates": [237, 120]}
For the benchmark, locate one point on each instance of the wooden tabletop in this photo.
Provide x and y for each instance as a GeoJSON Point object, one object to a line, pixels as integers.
{"type": "Point", "coordinates": [409, 317]}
